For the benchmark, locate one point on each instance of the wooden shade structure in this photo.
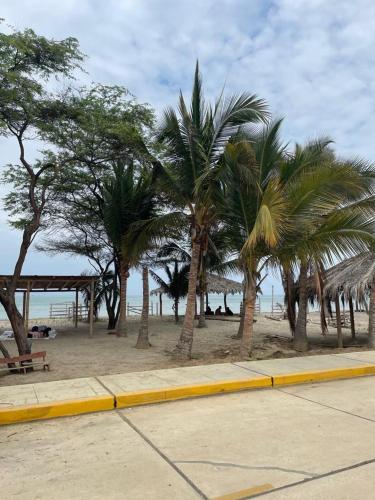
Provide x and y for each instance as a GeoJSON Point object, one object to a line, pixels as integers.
{"type": "Point", "coordinates": [28, 283]}
{"type": "Point", "coordinates": [352, 279]}
{"type": "Point", "coordinates": [214, 284]}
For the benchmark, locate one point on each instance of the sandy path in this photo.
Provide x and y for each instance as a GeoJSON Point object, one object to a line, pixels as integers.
{"type": "Point", "coordinates": [72, 354]}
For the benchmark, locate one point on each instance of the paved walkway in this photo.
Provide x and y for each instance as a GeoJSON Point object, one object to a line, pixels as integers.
{"type": "Point", "coordinates": [294, 442]}
{"type": "Point", "coordinates": [68, 397]}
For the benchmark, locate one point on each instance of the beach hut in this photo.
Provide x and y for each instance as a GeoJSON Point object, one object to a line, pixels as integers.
{"type": "Point", "coordinates": [215, 284]}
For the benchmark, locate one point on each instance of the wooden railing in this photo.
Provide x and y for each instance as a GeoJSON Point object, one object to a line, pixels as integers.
{"type": "Point", "coordinates": [137, 310]}
{"type": "Point", "coordinates": [67, 310]}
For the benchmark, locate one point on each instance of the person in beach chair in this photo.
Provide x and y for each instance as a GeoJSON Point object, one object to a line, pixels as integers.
{"type": "Point", "coordinates": [209, 311]}
{"type": "Point", "coordinates": [228, 311]}
{"type": "Point", "coordinates": [218, 311]}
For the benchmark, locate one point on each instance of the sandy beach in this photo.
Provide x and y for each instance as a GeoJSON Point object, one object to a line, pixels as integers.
{"type": "Point", "coordinates": [73, 354]}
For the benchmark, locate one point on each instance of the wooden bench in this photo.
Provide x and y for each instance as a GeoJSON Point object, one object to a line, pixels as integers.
{"type": "Point", "coordinates": [25, 362]}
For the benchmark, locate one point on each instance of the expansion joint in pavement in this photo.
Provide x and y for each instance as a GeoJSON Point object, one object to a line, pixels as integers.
{"type": "Point", "coordinates": [325, 405]}
{"type": "Point", "coordinates": [107, 389]}
{"type": "Point", "coordinates": [315, 478]}
{"type": "Point", "coordinates": [163, 456]}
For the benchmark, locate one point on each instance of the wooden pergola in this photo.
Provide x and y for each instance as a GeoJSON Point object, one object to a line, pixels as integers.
{"type": "Point", "coordinates": [27, 284]}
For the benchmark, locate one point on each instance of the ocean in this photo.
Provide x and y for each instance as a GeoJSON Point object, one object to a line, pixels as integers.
{"type": "Point", "coordinates": [40, 303]}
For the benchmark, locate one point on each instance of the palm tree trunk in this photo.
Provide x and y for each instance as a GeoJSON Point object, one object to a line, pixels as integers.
{"type": "Point", "coordinates": [240, 328]}
{"type": "Point", "coordinates": [338, 322]}
{"type": "Point", "coordinates": [300, 336]}
{"type": "Point", "coordinates": [323, 320]}
{"type": "Point", "coordinates": [352, 322]}
{"type": "Point", "coordinates": [185, 343]}
{"type": "Point", "coordinates": [202, 317]}
{"type": "Point", "coordinates": [289, 299]}
{"type": "Point", "coordinates": [143, 341]}
{"type": "Point", "coordinates": [371, 321]}
{"type": "Point", "coordinates": [248, 321]}
{"type": "Point", "coordinates": [124, 275]}
{"type": "Point", "coordinates": [176, 318]}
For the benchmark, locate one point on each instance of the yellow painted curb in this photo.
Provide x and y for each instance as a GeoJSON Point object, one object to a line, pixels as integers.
{"type": "Point", "coordinates": [320, 375]}
{"type": "Point", "coordinates": [126, 399]}
{"type": "Point", "coordinates": [55, 409]}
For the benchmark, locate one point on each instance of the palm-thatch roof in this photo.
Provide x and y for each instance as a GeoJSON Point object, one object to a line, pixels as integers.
{"type": "Point", "coordinates": [352, 277]}
{"type": "Point", "coordinates": [215, 284]}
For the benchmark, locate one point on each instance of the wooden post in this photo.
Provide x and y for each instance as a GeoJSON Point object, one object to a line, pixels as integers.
{"type": "Point", "coordinates": [24, 307]}
{"type": "Point", "coordinates": [206, 300]}
{"type": "Point", "coordinates": [225, 301]}
{"type": "Point", "coordinates": [351, 311]}
{"type": "Point", "coordinates": [76, 311]}
{"type": "Point", "coordinates": [338, 321]}
{"type": "Point", "coordinates": [27, 309]}
{"type": "Point", "coordinates": [92, 292]}
{"type": "Point", "coordinates": [161, 304]}
{"type": "Point", "coordinates": [272, 301]}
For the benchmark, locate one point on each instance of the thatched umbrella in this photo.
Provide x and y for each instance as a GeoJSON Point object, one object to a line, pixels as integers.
{"type": "Point", "coordinates": [353, 278]}
{"type": "Point", "coordinates": [215, 284]}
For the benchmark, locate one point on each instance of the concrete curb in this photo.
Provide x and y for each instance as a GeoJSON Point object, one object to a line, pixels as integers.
{"type": "Point", "coordinates": [55, 409]}
{"type": "Point", "coordinates": [136, 398]}
{"type": "Point", "coordinates": [65, 408]}
{"type": "Point", "coordinates": [323, 375]}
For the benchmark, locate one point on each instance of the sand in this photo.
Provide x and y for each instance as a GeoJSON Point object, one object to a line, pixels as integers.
{"type": "Point", "coordinates": [73, 354]}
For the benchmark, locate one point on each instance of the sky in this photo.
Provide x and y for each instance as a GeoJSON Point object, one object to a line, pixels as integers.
{"type": "Point", "coordinates": [312, 60]}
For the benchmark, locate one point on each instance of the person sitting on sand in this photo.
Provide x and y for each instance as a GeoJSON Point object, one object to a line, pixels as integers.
{"type": "Point", "coordinates": [209, 311]}
{"type": "Point", "coordinates": [218, 311]}
{"type": "Point", "coordinates": [228, 311]}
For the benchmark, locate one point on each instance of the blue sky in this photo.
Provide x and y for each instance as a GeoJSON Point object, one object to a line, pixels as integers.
{"type": "Point", "coordinates": [312, 60]}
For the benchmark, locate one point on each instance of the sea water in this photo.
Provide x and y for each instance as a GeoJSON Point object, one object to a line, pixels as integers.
{"type": "Point", "coordinates": [40, 303]}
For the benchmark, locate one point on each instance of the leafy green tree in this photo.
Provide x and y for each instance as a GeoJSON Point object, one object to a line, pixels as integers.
{"type": "Point", "coordinates": [195, 139]}
{"type": "Point", "coordinates": [98, 126]}
{"type": "Point", "coordinates": [27, 64]}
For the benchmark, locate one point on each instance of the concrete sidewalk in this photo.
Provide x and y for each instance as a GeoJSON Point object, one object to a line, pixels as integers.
{"type": "Point", "coordinates": [75, 396]}
{"type": "Point", "coordinates": [307, 441]}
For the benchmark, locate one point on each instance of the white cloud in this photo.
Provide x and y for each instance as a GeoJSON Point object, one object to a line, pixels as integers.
{"type": "Point", "coordinates": [312, 60]}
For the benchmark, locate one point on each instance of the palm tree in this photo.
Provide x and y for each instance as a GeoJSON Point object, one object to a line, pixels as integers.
{"type": "Point", "coordinates": [177, 285]}
{"type": "Point", "coordinates": [143, 337]}
{"type": "Point", "coordinates": [195, 140]}
{"type": "Point", "coordinates": [104, 287]}
{"type": "Point", "coordinates": [331, 212]}
{"type": "Point", "coordinates": [129, 202]}
{"type": "Point", "coordinates": [254, 210]}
